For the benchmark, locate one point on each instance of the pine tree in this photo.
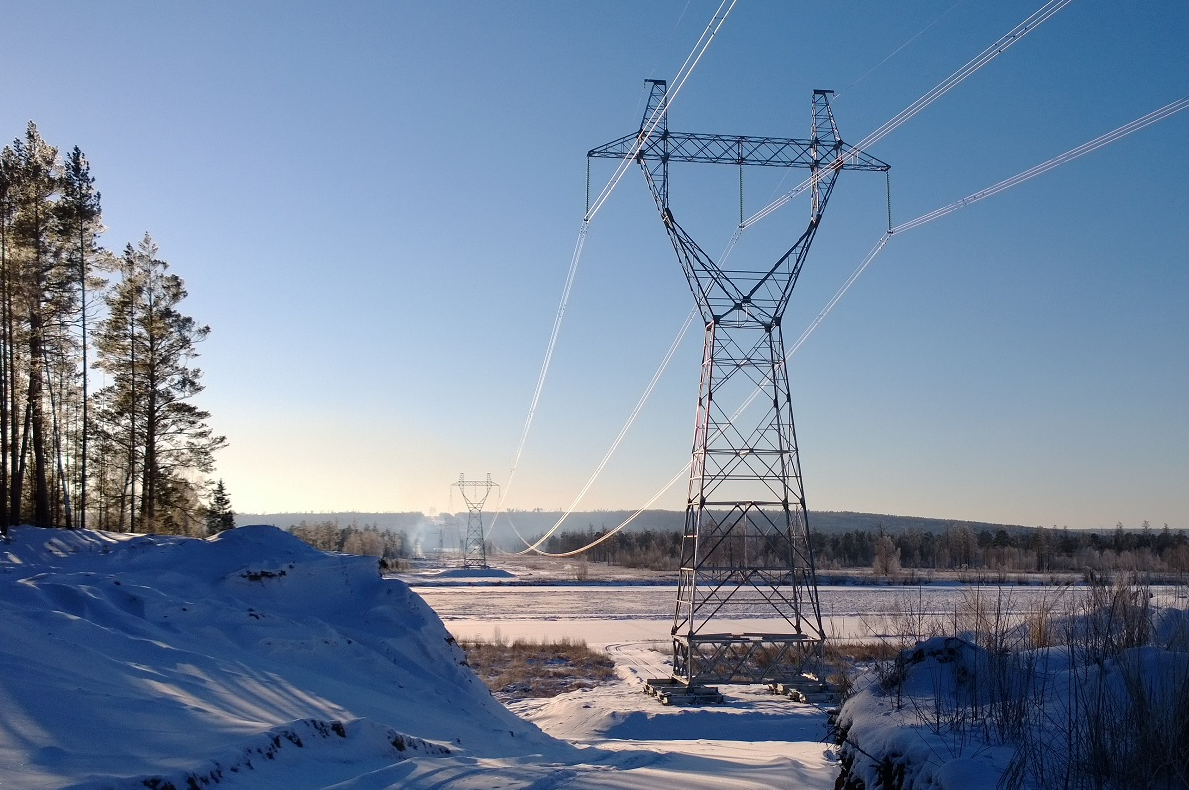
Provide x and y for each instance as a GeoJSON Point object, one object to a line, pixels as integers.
{"type": "Point", "coordinates": [37, 293]}
{"type": "Point", "coordinates": [146, 346]}
{"type": "Point", "coordinates": [219, 515]}
{"type": "Point", "coordinates": [79, 226]}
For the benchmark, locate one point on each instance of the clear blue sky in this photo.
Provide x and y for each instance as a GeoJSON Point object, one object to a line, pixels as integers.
{"type": "Point", "coordinates": [374, 205]}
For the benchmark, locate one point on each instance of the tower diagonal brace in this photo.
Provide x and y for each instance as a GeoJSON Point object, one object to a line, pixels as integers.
{"type": "Point", "coordinates": [746, 550]}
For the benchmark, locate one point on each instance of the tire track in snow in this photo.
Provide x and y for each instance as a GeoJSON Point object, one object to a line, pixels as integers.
{"type": "Point", "coordinates": [639, 661]}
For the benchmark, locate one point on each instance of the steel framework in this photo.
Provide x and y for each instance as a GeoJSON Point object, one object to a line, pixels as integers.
{"type": "Point", "coordinates": [474, 545]}
{"type": "Point", "coordinates": [746, 549]}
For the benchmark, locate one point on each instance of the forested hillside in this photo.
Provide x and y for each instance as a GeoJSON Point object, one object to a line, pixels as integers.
{"type": "Point", "coordinates": [130, 454]}
{"type": "Point", "coordinates": [955, 546]}
{"type": "Point", "coordinates": [530, 522]}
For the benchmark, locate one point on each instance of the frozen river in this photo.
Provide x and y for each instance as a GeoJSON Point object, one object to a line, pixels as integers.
{"type": "Point", "coordinates": [609, 613]}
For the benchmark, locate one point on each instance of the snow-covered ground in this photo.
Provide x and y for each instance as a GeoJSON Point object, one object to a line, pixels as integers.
{"type": "Point", "coordinates": [251, 660]}
{"type": "Point", "coordinates": [612, 611]}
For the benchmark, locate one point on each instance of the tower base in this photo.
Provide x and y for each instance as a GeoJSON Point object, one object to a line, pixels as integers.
{"type": "Point", "coordinates": [743, 658]}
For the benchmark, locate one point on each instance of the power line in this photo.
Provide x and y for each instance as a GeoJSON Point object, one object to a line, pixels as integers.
{"type": "Point", "coordinates": [1139, 123]}
{"type": "Point", "coordinates": [687, 68]}
{"type": "Point", "coordinates": [1013, 36]}
{"type": "Point", "coordinates": [656, 377]}
{"type": "Point", "coordinates": [896, 51]}
{"type": "Point", "coordinates": [611, 533]}
{"type": "Point", "coordinates": [647, 129]}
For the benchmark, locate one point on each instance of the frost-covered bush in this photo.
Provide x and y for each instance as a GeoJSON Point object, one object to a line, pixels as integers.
{"type": "Point", "coordinates": [1088, 693]}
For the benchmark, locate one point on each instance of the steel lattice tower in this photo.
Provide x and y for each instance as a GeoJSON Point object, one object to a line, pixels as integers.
{"type": "Point", "coordinates": [474, 493]}
{"type": "Point", "coordinates": [746, 548]}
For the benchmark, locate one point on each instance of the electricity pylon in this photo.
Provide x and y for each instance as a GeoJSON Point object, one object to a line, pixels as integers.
{"type": "Point", "coordinates": [746, 549]}
{"type": "Point", "coordinates": [474, 493]}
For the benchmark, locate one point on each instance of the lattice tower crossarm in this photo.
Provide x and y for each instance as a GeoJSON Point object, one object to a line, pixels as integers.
{"type": "Point", "coordinates": [746, 550]}
{"type": "Point", "coordinates": [474, 494]}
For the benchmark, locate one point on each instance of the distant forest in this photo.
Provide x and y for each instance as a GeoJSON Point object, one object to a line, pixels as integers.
{"type": "Point", "coordinates": [132, 453]}
{"type": "Point", "coordinates": [891, 546]}
{"type": "Point", "coordinates": [954, 547]}
{"type": "Point", "coordinates": [367, 540]}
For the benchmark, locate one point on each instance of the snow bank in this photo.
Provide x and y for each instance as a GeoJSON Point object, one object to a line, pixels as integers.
{"type": "Point", "coordinates": [949, 715]}
{"type": "Point", "coordinates": [124, 657]}
{"type": "Point", "coordinates": [907, 730]}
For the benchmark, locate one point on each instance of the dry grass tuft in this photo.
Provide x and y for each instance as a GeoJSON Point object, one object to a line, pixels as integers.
{"type": "Point", "coordinates": [523, 668]}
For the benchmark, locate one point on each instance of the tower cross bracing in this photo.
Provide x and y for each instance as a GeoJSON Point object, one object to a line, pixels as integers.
{"type": "Point", "coordinates": [746, 549]}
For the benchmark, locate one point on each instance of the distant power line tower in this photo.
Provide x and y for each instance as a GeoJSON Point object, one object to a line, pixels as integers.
{"type": "Point", "coordinates": [746, 550]}
{"type": "Point", "coordinates": [474, 545]}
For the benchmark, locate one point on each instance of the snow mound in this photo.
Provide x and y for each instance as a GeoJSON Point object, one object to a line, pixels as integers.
{"type": "Point", "coordinates": [951, 715]}
{"type": "Point", "coordinates": [154, 656]}
{"type": "Point", "coordinates": [900, 732]}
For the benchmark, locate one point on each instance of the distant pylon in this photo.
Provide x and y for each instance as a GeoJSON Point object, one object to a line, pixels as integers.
{"type": "Point", "coordinates": [746, 549]}
{"type": "Point", "coordinates": [474, 545]}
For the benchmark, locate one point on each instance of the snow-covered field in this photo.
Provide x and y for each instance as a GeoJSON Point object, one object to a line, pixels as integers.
{"type": "Point", "coordinates": [250, 660]}
{"type": "Point", "coordinates": [611, 612]}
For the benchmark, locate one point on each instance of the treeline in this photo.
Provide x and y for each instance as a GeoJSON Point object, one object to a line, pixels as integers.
{"type": "Point", "coordinates": [654, 549]}
{"type": "Point", "coordinates": [406, 521]}
{"type": "Point", "coordinates": [368, 540]}
{"type": "Point", "coordinates": [1039, 549]}
{"type": "Point", "coordinates": [132, 454]}
{"type": "Point", "coordinates": [956, 547]}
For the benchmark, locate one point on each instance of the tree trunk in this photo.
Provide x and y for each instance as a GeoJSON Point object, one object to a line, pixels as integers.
{"type": "Point", "coordinates": [41, 491]}
{"type": "Point", "coordinates": [63, 480]}
{"type": "Point", "coordinates": [18, 485]}
{"type": "Point", "coordinates": [82, 263]}
{"type": "Point", "coordinates": [15, 454]}
{"type": "Point", "coordinates": [5, 384]}
{"type": "Point", "coordinates": [149, 483]}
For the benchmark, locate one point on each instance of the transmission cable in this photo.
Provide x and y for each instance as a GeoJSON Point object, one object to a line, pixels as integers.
{"type": "Point", "coordinates": [658, 112]}
{"type": "Point", "coordinates": [1032, 172]}
{"type": "Point", "coordinates": [1013, 36]}
{"type": "Point", "coordinates": [1098, 142]}
{"type": "Point", "coordinates": [1081, 150]}
{"type": "Point", "coordinates": [656, 377]}
{"type": "Point", "coordinates": [611, 533]}
{"type": "Point", "coordinates": [898, 49]}
{"type": "Point", "coordinates": [691, 62]}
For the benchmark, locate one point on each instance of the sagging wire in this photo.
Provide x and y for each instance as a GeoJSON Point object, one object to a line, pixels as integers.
{"type": "Point", "coordinates": [1147, 120]}
{"type": "Point", "coordinates": [656, 377]}
{"type": "Point", "coordinates": [687, 68]}
{"type": "Point", "coordinates": [611, 533]}
{"type": "Point", "coordinates": [532, 407]}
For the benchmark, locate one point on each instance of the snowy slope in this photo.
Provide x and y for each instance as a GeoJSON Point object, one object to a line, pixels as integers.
{"type": "Point", "coordinates": [250, 660]}
{"type": "Point", "coordinates": [140, 656]}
